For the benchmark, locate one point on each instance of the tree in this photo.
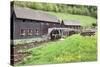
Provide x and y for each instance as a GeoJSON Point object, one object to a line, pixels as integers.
{"type": "Point", "coordinates": [72, 9]}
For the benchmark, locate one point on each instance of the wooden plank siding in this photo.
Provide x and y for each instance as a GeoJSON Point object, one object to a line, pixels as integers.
{"type": "Point", "coordinates": [38, 28]}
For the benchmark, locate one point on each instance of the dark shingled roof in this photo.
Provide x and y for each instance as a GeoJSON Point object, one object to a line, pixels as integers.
{"type": "Point", "coordinates": [71, 22]}
{"type": "Point", "coordinates": [34, 14]}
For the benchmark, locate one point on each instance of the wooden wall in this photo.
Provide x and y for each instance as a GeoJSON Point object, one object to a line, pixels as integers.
{"type": "Point", "coordinates": [37, 28]}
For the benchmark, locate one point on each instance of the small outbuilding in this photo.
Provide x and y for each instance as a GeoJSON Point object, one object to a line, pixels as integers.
{"type": "Point", "coordinates": [73, 24]}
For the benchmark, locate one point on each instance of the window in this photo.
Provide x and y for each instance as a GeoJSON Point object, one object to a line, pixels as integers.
{"type": "Point", "coordinates": [29, 31]}
{"type": "Point", "coordinates": [37, 32]}
{"type": "Point", "coordinates": [47, 23]}
{"type": "Point", "coordinates": [22, 32]}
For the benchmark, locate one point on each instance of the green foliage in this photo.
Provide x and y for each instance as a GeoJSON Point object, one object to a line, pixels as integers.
{"type": "Point", "coordinates": [65, 8]}
{"type": "Point", "coordinates": [94, 24]}
{"type": "Point", "coordinates": [75, 48]}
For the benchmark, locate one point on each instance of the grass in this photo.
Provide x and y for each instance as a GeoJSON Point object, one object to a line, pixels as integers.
{"type": "Point", "coordinates": [75, 48]}
{"type": "Point", "coordinates": [84, 20]}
